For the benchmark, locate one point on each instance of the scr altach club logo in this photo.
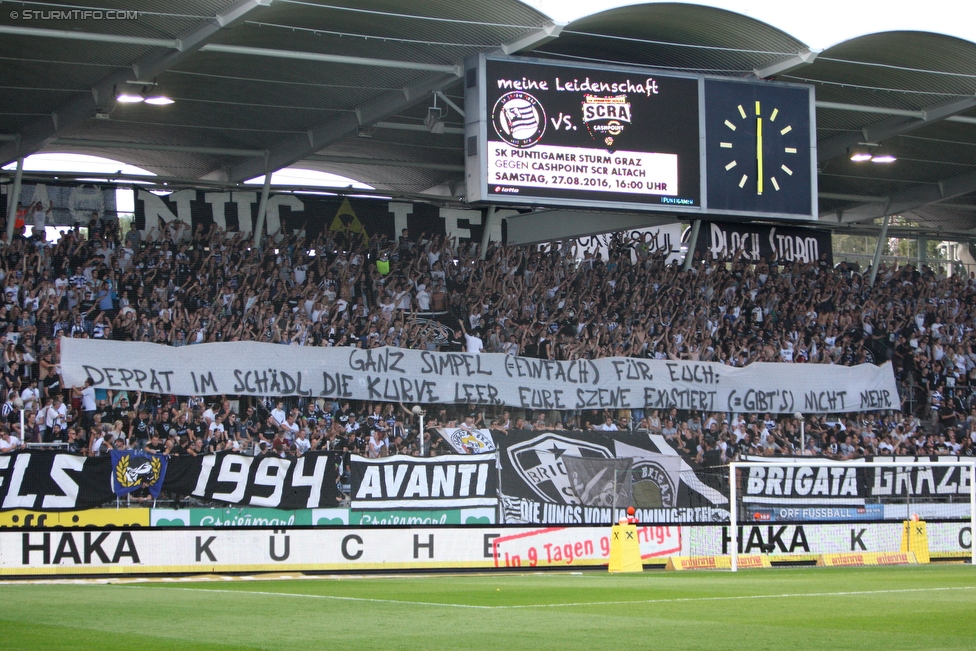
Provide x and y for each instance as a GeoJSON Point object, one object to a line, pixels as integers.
{"type": "Point", "coordinates": [519, 119]}
{"type": "Point", "coordinates": [606, 117]}
{"type": "Point", "coordinates": [539, 463]}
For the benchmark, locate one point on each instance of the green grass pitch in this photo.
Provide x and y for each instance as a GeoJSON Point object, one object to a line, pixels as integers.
{"type": "Point", "coordinates": [885, 609]}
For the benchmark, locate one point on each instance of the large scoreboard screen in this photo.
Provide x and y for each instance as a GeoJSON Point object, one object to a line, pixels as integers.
{"type": "Point", "coordinates": [609, 136]}
{"type": "Point", "coordinates": [548, 133]}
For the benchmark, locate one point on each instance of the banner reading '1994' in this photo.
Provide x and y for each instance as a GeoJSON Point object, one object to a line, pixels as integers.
{"type": "Point", "coordinates": [52, 481]}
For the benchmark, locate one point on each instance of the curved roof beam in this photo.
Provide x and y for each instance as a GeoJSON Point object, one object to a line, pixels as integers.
{"type": "Point", "coordinates": [336, 128]}
{"type": "Point", "coordinates": [39, 133]}
{"type": "Point", "coordinates": [895, 126]}
{"type": "Point", "coordinates": [83, 143]}
{"type": "Point", "coordinates": [884, 110]}
{"type": "Point", "coordinates": [331, 58]}
{"type": "Point", "coordinates": [909, 199]}
{"type": "Point", "coordinates": [382, 162]}
{"type": "Point", "coordinates": [39, 32]}
{"type": "Point", "coordinates": [804, 57]}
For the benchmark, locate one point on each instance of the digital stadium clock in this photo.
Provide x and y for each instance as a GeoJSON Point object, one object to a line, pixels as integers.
{"type": "Point", "coordinates": [759, 149]}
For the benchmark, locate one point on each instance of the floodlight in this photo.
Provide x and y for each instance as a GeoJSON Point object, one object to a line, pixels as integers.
{"type": "Point", "coordinates": [859, 154]}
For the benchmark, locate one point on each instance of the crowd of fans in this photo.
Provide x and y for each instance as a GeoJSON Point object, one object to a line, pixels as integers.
{"type": "Point", "coordinates": [561, 301]}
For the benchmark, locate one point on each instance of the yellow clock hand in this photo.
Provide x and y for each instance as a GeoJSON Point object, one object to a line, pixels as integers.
{"type": "Point", "coordinates": [759, 152]}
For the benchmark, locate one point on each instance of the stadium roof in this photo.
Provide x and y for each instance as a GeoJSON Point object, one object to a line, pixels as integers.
{"type": "Point", "coordinates": [344, 87]}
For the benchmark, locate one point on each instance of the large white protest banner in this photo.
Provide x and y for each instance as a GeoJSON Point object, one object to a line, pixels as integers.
{"type": "Point", "coordinates": [397, 374]}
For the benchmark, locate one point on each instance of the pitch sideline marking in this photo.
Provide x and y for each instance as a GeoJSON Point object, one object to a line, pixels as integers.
{"type": "Point", "coordinates": [571, 604]}
{"type": "Point", "coordinates": [315, 596]}
{"type": "Point", "coordinates": [735, 598]}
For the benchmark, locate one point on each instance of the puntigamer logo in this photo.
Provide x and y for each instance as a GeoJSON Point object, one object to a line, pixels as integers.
{"type": "Point", "coordinates": [519, 119]}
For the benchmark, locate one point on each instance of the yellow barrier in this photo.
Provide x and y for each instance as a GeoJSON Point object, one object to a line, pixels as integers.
{"type": "Point", "coordinates": [915, 538]}
{"type": "Point", "coordinates": [625, 553]}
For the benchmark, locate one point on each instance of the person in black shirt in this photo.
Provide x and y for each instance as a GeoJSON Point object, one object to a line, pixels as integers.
{"type": "Point", "coordinates": [710, 455]}
{"type": "Point", "coordinates": [141, 428]}
{"type": "Point", "coordinates": [75, 445]}
{"type": "Point", "coordinates": [11, 377]}
{"type": "Point", "coordinates": [268, 431]}
{"type": "Point", "coordinates": [949, 414]}
{"type": "Point", "coordinates": [199, 448]}
{"type": "Point", "coordinates": [235, 428]}
{"type": "Point", "coordinates": [178, 447]}
{"type": "Point", "coordinates": [397, 445]}
{"type": "Point", "coordinates": [311, 416]}
{"type": "Point", "coordinates": [155, 445]}
{"type": "Point", "coordinates": [198, 429]}
{"type": "Point", "coordinates": [252, 424]}
{"type": "Point", "coordinates": [164, 418]}
{"type": "Point", "coordinates": [351, 444]}
{"type": "Point", "coordinates": [106, 413]}
{"type": "Point", "coordinates": [346, 415]}
{"type": "Point", "coordinates": [180, 425]}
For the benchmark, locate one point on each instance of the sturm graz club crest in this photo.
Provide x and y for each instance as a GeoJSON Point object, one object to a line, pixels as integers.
{"type": "Point", "coordinates": [606, 117]}
{"type": "Point", "coordinates": [519, 119]}
{"type": "Point", "coordinates": [654, 488]}
{"type": "Point", "coordinates": [538, 462]}
{"type": "Point", "coordinates": [468, 441]}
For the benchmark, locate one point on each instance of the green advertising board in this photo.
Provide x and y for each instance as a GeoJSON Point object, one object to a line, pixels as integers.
{"type": "Point", "coordinates": [258, 517]}
{"type": "Point", "coordinates": [421, 517]}
{"type": "Point", "coordinates": [235, 517]}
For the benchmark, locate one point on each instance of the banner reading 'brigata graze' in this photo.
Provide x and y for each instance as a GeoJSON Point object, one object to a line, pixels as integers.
{"type": "Point", "coordinates": [792, 483]}
{"type": "Point", "coordinates": [402, 375]}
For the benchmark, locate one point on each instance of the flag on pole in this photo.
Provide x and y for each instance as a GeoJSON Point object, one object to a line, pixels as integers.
{"type": "Point", "coordinates": [600, 482]}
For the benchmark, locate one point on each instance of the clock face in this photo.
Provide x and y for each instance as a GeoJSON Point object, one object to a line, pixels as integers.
{"type": "Point", "coordinates": [758, 147]}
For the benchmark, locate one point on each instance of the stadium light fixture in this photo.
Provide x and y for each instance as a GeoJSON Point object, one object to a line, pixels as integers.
{"type": "Point", "coordinates": [158, 99]}
{"type": "Point", "coordinates": [128, 96]}
{"type": "Point", "coordinates": [870, 151]}
{"type": "Point", "coordinates": [859, 154]}
{"type": "Point", "coordinates": [883, 157]}
{"type": "Point", "coordinates": [435, 118]}
{"type": "Point", "coordinates": [149, 93]}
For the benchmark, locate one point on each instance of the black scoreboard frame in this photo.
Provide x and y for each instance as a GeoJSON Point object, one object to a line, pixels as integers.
{"type": "Point", "coordinates": [553, 134]}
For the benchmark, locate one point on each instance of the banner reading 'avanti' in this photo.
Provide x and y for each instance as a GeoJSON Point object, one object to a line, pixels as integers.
{"type": "Point", "coordinates": [401, 375]}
